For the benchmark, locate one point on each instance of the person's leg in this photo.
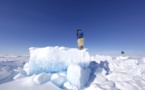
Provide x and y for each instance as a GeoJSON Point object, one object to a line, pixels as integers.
{"type": "Point", "coordinates": [81, 47]}
{"type": "Point", "coordinates": [123, 55]}
{"type": "Point", "coordinates": [81, 43]}
{"type": "Point", "coordinates": [78, 43]}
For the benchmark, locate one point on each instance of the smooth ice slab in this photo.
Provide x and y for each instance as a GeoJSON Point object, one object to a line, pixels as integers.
{"type": "Point", "coordinates": [78, 76]}
{"type": "Point", "coordinates": [54, 59]}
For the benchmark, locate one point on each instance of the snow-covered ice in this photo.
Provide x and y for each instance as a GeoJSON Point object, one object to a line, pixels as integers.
{"type": "Point", "coordinates": [18, 76]}
{"type": "Point", "coordinates": [54, 59]}
{"type": "Point", "coordinates": [42, 78]}
{"type": "Point", "coordinates": [78, 76]}
{"type": "Point", "coordinates": [28, 84]}
{"type": "Point", "coordinates": [58, 79]}
{"type": "Point", "coordinates": [61, 68]}
{"type": "Point", "coordinates": [122, 57]}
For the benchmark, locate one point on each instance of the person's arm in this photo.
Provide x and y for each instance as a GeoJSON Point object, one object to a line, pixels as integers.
{"type": "Point", "coordinates": [77, 34]}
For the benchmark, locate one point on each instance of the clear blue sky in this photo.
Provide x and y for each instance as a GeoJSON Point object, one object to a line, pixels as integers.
{"type": "Point", "coordinates": [109, 26]}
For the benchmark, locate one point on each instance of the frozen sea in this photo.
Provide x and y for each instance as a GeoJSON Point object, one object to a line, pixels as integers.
{"type": "Point", "coordinates": [97, 72]}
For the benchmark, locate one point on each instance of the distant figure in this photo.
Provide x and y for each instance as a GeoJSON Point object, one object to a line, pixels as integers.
{"type": "Point", "coordinates": [80, 39]}
{"type": "Point", "coordinates": [122, 53]}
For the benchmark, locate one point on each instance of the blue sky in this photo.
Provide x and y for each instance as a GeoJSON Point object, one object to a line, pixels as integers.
{"type": "Point", "coordinates": [109, 26]}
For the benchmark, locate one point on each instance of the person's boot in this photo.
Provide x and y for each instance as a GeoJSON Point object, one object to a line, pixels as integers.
{"type": "Point", "coordinates": [81, 47]}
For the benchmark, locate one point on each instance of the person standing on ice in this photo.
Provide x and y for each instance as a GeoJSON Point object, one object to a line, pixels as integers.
{"type": "Point", "coordinates": [80, 39]}
{"type": "Point", "coordinates": [122, 54]}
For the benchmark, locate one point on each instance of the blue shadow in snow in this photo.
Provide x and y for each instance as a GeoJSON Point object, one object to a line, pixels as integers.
{"type": "Point", "coordinates": [97, 67]}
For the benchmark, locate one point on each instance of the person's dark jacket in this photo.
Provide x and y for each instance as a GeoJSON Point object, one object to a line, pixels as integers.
{"type": "Point", "coordinates": [80, 34]}
{"type": "Point", "coordinates": [122, 52]}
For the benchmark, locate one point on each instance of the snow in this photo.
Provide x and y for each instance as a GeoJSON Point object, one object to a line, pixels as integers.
{"type": "Point", "coordinates": [67, 86]}
{"type": "Point", "coordinates": [28, 84]}
{"type": "Point", "coordinates": [18, 76]}
{"type": "Point", "coordinates": [54, 59]}
{"type": "Point", "coordinates": [26, 68]}
{"type": "Point", "coordinates": [142, 60]}
{"type": "Point", "coordinates": [58, 79]}
{"type": "Point", "coordinates": [14, 58]}
{"type": "Point", "coordinates": [42, 78]}
{"type": "Point", "coordinates": [4, 74]}
{"type": "Point", "coordinates": [76, 70]}
{"type": "Point", "coordinates": [102, 57]}
{"type": "Point", "coordinates": [122, 57]}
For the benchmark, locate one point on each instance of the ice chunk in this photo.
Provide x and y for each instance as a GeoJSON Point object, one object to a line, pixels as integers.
{"type": "Point", "coordinates": [99, 58]}
{"type": "Point", "coordinates": [111, 83]}
{"type": "Point", "coordinates": [78, 76]}
{"type": "Point", "coordinates": [105, 66]}
{"type": "Point", "coordinates": [143, 75]}
{"type": "Point", "coordinates": [67, 86]}
{"type": "Point", "coordinates": [28, 84]}
{"type": "Point", "coordinates": [122, 57]}
{"type": "Point", "coordinates": [122, 65]}
{"type": "Point", "coordinates": [101, 71]}
{"type": "Point", "coordinates": [26, 68]}
{"type": "Point", "coordinates": [119, 76]}
{"type": "Point", "coordinates": [135, 71]}
{"type": "Point", "coordinates": [54, 59]}
{"type": "Point", "coordinates": [20, 70]}
{"type": "Point", "coordinates": [100, 79]}
{"type": "Point", "coordinates": [58, 79]}
{"type": "Point", "coordinates": [4, 73]}
{"type": "Point", "coordinates": [101, 87]}
{"type": "Point", "coordinates": [102, 68]}
{"type": "Point", "coordinates": [18, 76]}
{"type": "Point", "coordinates": [130, 62]}
{"type": "Point", "coordinates": [142, 60]}
{"type": "Point", "coordinates": [42, 78]}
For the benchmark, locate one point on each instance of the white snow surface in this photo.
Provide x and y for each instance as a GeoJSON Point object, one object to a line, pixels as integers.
{"type": "Point", "coordinates": [94, 73]}
{"type": "Point", "coordinates": [122, 57]}
{"type": "Point", "coordinates": [27, 83]}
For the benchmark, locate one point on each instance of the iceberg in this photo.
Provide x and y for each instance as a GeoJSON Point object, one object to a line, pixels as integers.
{"type": "Point", "coordinates": [56, 59]}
